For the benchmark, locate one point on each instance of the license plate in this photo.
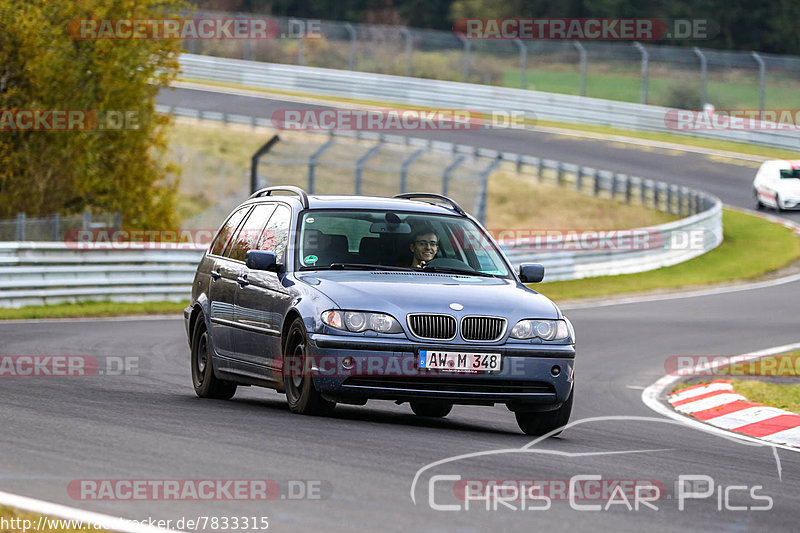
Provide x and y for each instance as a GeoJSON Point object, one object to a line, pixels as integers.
{"type": "Point", "coordinates": [459, 361]}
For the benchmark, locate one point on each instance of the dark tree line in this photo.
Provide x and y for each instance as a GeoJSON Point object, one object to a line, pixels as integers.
{"type": "Point", "coordinates": [763, 25]}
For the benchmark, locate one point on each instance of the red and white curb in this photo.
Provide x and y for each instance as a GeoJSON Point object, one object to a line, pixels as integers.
{"type": "Point", "coordinates": [718, 404]}
{"type": "Point", "coordinates": [652, 397]}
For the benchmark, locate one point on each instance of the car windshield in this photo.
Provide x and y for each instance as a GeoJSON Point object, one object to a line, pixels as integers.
{"type": "Point", "coordinates": [395, 240]}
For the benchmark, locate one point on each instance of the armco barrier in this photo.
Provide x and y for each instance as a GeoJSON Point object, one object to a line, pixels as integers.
{"type": "Point", "coordinates": [36, 273]}
{"type": "Point", "coordinates": [449, 94]}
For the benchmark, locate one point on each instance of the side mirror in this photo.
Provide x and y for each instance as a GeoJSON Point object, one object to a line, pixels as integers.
{"type": "Point", "coordinates": [262, 260]}
{"type": "Point", "coordinates": [531, 272]}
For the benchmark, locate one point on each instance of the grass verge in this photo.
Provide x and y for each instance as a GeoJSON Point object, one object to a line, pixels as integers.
{"type": "Point", "coordinates": [17, 521]}
{"type": "Point", "coordinates": [751, 248]}
{"type": "Point", "coordinates": [782, 396]}
{"type": "Point", "coordinates": [93, 309]}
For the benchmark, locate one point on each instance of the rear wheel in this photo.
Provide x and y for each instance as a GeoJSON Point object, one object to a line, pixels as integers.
{"type": "Point", "coordinates": [206, 384]}
{"type": "Point", "coordinates": [301, 395]}
{"type": "Point", "coordinates": [431, 408]}
{"type": "Point", "coordinates": [542, 423]}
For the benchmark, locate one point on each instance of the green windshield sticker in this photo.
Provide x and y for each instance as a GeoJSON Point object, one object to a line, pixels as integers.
{"type": "Point", "coordinates": [310, 259]}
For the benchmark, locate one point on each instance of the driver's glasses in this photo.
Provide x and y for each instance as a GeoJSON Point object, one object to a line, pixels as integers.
{"type": "Point", "coordinates": [432, 244]}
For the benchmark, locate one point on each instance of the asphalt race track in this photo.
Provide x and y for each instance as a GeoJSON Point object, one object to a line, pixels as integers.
{"type": "Point", "coordinates": [361, 463]}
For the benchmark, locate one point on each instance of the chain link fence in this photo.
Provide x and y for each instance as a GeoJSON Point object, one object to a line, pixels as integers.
{"type": "Point", "coordinates": [670, 76]}
{"type": "Point", "coordinates": [55, 227]}
{"type": "Point", "coordinates": [372, 165]}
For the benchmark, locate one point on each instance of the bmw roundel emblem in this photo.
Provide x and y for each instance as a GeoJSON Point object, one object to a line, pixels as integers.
{"type": "Point", "coordinates": [456, 306]}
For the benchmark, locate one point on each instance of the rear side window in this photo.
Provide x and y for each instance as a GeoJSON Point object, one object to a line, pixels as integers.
{"type": "Point", "coordinates": [227, 230]}
{"type": "Point", "coordinates": [276, 234]}
{"type": "Point", "coordinates": [249, 232]}
{"type": "Point", "coordinates": [790, 173]}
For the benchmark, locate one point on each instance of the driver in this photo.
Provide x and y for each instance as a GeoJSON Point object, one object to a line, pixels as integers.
{"type": "Point", "coordinates": [424, 246]}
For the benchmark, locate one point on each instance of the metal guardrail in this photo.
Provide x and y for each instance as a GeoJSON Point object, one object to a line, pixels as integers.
{"type": "Point", "coordinates": [37, 273]}
{"type": "Point", "coordinates": [669, 244]}
{"type": "Point", "coordinates": [438, 94]}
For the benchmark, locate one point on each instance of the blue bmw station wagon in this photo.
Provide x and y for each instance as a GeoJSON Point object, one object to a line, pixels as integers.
{"type": "Point", "coordinates": [344, 299]}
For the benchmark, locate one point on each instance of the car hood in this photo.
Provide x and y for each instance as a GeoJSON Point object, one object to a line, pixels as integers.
{"type": "Point", "coordinates": [399, 293]}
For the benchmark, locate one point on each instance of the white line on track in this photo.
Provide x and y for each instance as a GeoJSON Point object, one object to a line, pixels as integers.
{"type": "Point", "coordinates": [89, 319]}
{"type": "Point", "coordinates": [70, 513]}
{"type": "Point", "coordinates": [652, 394]}
{"type": "Point", "coordinates": [689, 294]}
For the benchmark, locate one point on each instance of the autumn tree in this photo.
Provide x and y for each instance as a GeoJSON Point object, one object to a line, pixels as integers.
{"type": "Point", "coordinates": [100, 164]}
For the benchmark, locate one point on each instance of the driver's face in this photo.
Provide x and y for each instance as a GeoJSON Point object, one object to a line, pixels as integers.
{"type": "Point", "coordinates": [425, 247]}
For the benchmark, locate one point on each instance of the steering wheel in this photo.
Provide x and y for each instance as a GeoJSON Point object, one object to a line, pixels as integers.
{"type": "Point", "coordinates": [448, 262]}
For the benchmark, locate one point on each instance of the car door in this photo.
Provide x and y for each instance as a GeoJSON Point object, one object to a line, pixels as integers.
{"type": "Point", "coordinates": [262, 300]}
{"type": "Point", "coordinates": [222, 288]}
{"type": "Point", "coordinates": [253, 319]}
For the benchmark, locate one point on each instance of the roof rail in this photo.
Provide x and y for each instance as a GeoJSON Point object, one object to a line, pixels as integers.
{"type": "Point", "coordinates": [420, 195]}
{"type": "Point", "coordinates": [267, 191]}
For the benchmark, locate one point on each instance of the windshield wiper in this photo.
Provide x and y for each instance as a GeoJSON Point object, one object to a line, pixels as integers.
{"type": "Point", "coordinates": [453, 270]}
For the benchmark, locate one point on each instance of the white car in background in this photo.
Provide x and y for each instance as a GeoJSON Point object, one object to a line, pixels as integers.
{"type": "Point", "coordinates": [777, 184]}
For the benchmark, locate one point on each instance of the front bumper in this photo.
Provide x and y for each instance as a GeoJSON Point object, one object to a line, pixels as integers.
{"type": "Point", "coordinates": [355, 369]}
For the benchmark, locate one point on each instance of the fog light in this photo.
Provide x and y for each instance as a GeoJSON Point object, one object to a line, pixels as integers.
{"type": "Point", "coordinates": [348, 363]}
{"type": "Point", "coordinates": [556, 370]}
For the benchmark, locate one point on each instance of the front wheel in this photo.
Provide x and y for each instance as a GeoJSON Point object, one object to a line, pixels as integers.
{"type": "Point", "coordinates": [301, 395]}
{"type": "Point", "coordinates": [206, 384]}
{"type": "Point", "coordinates": [778, 204]}
{"type": "Point", "coordinates": [757, 200]}
{"type": "Point", "coordinates": [542, 423]}
{"type": "Point", "coordinates": [431, 408]}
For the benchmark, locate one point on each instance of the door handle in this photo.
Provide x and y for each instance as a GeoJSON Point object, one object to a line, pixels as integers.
{"type": "Point", "coordinates": [215, 275]}
{"type": "Point", "coordinates": [242, 280]}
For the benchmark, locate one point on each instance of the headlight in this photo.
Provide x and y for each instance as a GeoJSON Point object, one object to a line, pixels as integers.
{"type": "Point", "coordinates": [547, 330]}
{"type": "Point", "coordinates": [358, 321]}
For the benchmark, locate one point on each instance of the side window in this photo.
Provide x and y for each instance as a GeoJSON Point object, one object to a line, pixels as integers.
{"type": "Point", "coordinates": [250, 232]}
{"type": "Point", "coordinates": [227, 230]}
{"type": "Point", "coordinates": [276, 234]}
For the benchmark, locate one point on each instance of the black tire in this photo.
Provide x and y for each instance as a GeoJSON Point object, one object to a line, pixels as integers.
{"type": "Point", "coordinates": [206, 383]}
{"type": "Point", "coordinates": [542, 423]}
{"type": "Point", "coordinates": [431, 408]}
{"type": "Point", "coordinates": [778, 203]}
{"type": "Point", "coordinates": [301, 395]}
{"type": "Point", "coordinates": [757, 200]}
